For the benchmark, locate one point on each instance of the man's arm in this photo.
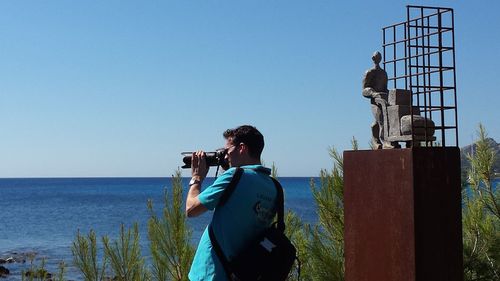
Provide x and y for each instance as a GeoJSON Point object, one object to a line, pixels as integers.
{"type": "Point", "coordinates": [199, 171]}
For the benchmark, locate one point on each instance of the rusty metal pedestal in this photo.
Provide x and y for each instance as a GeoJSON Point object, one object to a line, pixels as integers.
{"type": "Point", "coordinates": [403, 215]}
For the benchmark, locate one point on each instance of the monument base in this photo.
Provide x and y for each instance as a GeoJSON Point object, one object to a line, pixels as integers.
{"type": "Point", "coordinates": [403, 214]}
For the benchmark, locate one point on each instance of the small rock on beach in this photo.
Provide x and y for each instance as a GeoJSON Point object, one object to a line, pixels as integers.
{"type": "Point", "coordinates": [4, 271]}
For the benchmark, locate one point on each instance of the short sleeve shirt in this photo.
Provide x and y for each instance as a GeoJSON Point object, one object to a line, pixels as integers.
{"type": "Point", "coordinates": [246, 214]}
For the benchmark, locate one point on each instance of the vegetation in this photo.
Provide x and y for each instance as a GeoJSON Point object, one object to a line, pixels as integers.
{"type": "Point", "coordinates": [85, 257]}
{"type": "Point", "coordinates": [121, 260]}
{"type": "Point", "coordinates": [470, 150]}
{"type": "Point", "coordinates": [481, 216]}
{"type": "Point", "coordinates": [170, 237]}
{"type": "Point", "coordinates": [321, 247]}
{"type": "Point", "coordinates": [37, 272]}
{"type": "Point", "coordinates": [326, 247]}
{"type": "Point", "coordinates": [125, 257]}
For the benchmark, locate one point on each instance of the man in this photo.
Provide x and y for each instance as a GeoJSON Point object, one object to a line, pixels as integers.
{"type": "Point", "coordinates": [375, 88]}
{"type": "Point", "coordinates": [247, 213]}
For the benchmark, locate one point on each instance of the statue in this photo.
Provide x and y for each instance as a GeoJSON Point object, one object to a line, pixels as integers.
{"type": "Point", "coordinates": [375, 88]}
{"type": "Point", "coordinates": [396, 119]}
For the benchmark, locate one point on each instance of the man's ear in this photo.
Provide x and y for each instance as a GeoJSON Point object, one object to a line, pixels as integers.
{"type": "Point", "coordinates": [243, 148]}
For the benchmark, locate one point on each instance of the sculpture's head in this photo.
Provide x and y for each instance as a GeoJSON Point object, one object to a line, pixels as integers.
{"type": "Point", "coordinates": [377, 57]}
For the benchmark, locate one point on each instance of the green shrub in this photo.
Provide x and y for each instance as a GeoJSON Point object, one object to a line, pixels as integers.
{"type": "Point", "coordinates": [124, 255]}
{"type": "Point", "coordinates": [84, 251]}
{"type": "Point", "coordinates": [170, 237]}
{"type": "Point", "coordinates": [480, 215]}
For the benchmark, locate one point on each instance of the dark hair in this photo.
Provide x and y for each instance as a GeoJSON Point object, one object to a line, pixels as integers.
{"type": "Point", "coordinates": [250, 136]}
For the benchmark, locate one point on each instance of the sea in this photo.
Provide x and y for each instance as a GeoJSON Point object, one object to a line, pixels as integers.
{"type": "Point", "coordinates": [40, 217]}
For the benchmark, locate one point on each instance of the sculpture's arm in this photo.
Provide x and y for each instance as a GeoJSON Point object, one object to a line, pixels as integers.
{"type": "Point", "coordinates": [369, 92]}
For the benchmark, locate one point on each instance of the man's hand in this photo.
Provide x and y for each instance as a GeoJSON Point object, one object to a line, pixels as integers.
{"type": "Point", "coordinates": [199, 171]}
{"type": "Point", "coordinates": [199, 167]}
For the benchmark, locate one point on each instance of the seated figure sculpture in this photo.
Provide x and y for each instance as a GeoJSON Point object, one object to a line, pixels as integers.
{"type": "Point", "coordinates": [396, 119]}
{"type": "Point", "coordinates": [375, 88]}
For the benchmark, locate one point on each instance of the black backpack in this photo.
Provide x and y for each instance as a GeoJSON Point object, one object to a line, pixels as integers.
{"type": "Point", "coordinates": [269, 257]}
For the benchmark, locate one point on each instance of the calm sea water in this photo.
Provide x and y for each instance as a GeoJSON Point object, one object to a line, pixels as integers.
{"type": "Point", "coordinates": [44, 215]}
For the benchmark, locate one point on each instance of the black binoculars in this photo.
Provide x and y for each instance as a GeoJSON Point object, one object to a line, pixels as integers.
{"type": "Point", "coordinates": [214, 158]}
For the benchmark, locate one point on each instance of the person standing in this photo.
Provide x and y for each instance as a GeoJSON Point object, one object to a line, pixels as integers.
{"type": "Point", "coordinates": [247, 213]}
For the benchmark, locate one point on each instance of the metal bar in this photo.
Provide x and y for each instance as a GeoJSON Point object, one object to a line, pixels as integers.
{"type": "Point", "coordinates": [436, 87]}
{"type": "Point", "coordinates": [424, 77]}
{"type": "Point", "coordinates": [408, 20]}
{"type": "Point", "coordinates": [429, 15]}
{"type": "Point", "coordinates": [434, 91]}
{"type": "Point", "coordinates": [436, 107]}
{"type": "Point", "coordinates": [430, 53]}
{"type": "Point", "coordinates": [432, 47]}
{"type": "Point", "coordinates": [429, 91]}
{"type": "Point", "coordinates": [397, 42]}
{"type": "Point", "coordinates": [406, 61]}
{"type": "Point", "coordinates": [444, 29]}
{"type": "Point", "coordinates": [383, 47]}
{"type": "Point", "coordinates": [395, 60]}
{"type": "Point", "coordinates": [433, 67]}
{"type": "Point", "coordinates": [436, 32]}
{"type": "Point", "coordinates": [394, 56]}
{"type": "Point", "coordinates": [439, 127]}
{"type": "Point", "coordinates": [440, 40]}
{"type": "Point", "coordinates": [409, 70]}
{"type": "Point", "coordinates": [429, 74]}
{"type": "Point", "coordinates": [423, 73]}
{"type": "Point", "coordinates": [417, 62]}
{"type": "Point", "coordinates": [396, 24]}
{"type": "Point", "coordinates": [454, 76]}
{"type": "Point", "coordinates": [429, 7]}
{"type": "Point", "coordinates": [404, 40]}
{"type": "Point", "coordinates": [445, 10]}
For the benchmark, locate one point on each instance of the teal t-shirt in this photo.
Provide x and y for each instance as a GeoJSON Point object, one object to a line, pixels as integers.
{"type": "Point", "coordinates": [247, 213]}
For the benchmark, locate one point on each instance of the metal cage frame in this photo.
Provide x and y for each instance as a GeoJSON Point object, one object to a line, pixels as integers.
{"type": "Point", "coordinates": [419, 55]}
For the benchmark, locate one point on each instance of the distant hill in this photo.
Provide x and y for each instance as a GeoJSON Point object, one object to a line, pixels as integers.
{"type": "Point", "coordinates": [468, 149]}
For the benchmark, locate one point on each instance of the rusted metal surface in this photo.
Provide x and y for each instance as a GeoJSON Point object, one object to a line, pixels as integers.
{"type": "Point", "coordinates": [403, 214]}
{"type": "Point", "coordinates": [379, 226]}
{"type": "Point", "coordinates": [438, 216]}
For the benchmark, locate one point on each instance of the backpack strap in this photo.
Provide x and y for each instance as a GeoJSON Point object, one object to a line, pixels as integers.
{"type": "Point", "coordinates": [231, 187]}
{"type": "Point", "coordinates": [215, 245]}
{"type": "Point", "coordinates": [218, 251]}
{"type": "Point", "coordinates": [280, 205]}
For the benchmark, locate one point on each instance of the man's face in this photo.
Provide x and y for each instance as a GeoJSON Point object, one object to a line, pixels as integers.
{"type": "Point", "coordinates": [377, 57]}
{"type": "Point", "coordinates": [232, 155]}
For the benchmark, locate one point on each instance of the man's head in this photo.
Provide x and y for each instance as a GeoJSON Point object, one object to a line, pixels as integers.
{"type": "Point", "coordinates": [244, 145]}
{"type": "Point", "coordinates": [376, 57]}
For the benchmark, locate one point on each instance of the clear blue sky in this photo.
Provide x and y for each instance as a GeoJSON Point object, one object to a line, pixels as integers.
{"type": "Point", "coordinates": [120, 88]}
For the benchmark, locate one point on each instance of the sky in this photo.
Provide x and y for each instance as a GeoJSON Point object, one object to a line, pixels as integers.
{"type": "Point", "coordinates": [121, 88]}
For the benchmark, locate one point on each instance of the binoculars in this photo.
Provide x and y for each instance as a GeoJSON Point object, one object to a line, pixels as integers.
{"type": "Point", "coordinates": [213, 158]}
